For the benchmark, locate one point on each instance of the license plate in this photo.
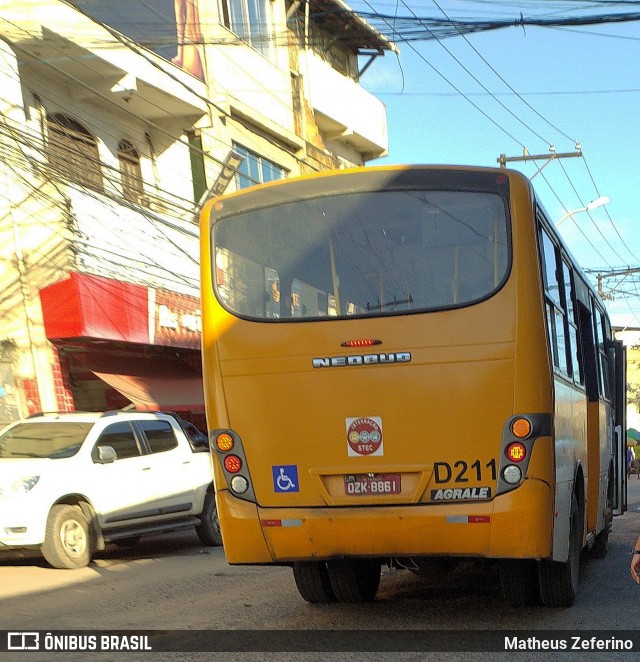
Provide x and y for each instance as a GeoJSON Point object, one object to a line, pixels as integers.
{"type": "Point", "coordinates": [371, 484]}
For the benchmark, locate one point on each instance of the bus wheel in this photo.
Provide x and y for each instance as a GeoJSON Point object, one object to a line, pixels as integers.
{"type": "Point", "coordinates": [600, 546]}
{"type": "Point", "coordinates": [519, 582]}
{"type": "Point", "coordinates": [312, 581]}
{"type": "Point", "coordinates": [559, 580]}
{"type": "Point", "coordinates": [354, 580]}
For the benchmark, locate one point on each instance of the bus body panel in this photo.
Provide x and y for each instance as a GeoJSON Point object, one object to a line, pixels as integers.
{"type": "Point", "coordinates": [460, 529]}
{"type": "Point", "coordinates": [303, 421]}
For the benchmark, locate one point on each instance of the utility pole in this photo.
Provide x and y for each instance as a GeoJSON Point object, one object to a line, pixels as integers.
{"type": "Point", "coordinates": [613, 274]}
{"type": "Point", "coordinates": [550, 156]}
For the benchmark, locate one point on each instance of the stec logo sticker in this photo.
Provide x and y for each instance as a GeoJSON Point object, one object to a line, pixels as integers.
{"type": "Point", "coordinates": [364, 436]}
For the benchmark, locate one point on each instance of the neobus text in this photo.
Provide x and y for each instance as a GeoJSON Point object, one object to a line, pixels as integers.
{"type": "Point", "coordinates": [362, 359]}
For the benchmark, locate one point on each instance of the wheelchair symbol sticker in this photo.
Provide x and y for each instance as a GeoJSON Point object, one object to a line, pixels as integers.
{"type": "Point", "coordinates": [285, 478]}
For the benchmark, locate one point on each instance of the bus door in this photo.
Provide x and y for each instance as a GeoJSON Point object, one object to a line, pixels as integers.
{"type": "Point", "coordinates": [602, 491]}
{"type": "Point", "coordinates": [618, 364]}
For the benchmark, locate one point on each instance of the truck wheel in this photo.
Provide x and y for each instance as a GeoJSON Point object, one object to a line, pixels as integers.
{"type": "Point", "coordinates": [209, 528]}
{"type": "Point", "coordinates": [67, 543]}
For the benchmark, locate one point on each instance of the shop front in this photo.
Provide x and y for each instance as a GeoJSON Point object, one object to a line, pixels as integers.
{"type": "Point", "coordinates": [125, 345]}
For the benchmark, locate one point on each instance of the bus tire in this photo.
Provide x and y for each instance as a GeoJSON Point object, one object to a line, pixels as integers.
{"type": "Point", "coordinates": [600, 546]}
{"type": "Point", "coordinates": [519, 582]}
{"type": "Point", "coordinates": [559, 580]}
{"type": "Point", "coordinates": [312, 581]}
{"type": "Point", "coordinates": [354, 580]}
{"type": "Point", "coordinates": [67, 542]}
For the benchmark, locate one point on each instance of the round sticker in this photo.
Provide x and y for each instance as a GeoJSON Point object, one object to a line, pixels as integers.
{"type": "Point", "coordinates": [364, 436]}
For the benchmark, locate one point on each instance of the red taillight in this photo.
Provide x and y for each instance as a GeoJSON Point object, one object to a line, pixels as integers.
{"type": "Point", "coordinates": [233, 464]}
{"type": "Point", "coordinates": [362, 342]}
{"type": "Point", "coordinates": [516, 452]}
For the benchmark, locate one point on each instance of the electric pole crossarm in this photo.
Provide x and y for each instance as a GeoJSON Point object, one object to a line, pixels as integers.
{"type": "Point", "coordinates": [503, 159]}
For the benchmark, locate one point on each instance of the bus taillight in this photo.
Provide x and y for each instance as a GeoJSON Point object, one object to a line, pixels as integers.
{"type": "Point", "coordinates": [227, 447]}
{"type": "Point", "coordinates": [224, 442]}
{"type": "Point", "coordinates": [239, 484]}
{"type": "Point", "coordinates": [233, 464]}
{"type": "Point", "coordinates": [521, 428]}
{"type": "Point", "coordinates": [516, 452]}
{"type": "Point", "coordinates": [512, 474]}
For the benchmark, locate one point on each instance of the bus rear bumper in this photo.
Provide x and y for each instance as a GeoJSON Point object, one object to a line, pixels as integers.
{"type": "Point", "coordinates": [518, 524]}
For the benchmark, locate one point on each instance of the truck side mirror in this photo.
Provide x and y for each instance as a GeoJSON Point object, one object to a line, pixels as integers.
{"type": "Point", "coordinates": [106, 455]}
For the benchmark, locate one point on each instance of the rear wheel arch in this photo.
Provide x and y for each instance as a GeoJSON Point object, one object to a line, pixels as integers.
{"type": "Point", "coordinates": [559, 579]}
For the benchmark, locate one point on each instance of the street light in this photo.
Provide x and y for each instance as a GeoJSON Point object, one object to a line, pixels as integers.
{"type": "Point", "coordinates": [594, 204]}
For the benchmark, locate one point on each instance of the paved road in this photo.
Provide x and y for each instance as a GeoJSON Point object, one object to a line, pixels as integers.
{"type": "Point", "coordinates": [172, 582]}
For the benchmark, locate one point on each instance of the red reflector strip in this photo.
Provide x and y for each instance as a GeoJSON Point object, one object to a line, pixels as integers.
{"type": "Point", "coordinates": [281, 522]}
{"type": "Point", "coordinates": [468, 519]}
{"type": "Point", "coordinates": [479, 519]}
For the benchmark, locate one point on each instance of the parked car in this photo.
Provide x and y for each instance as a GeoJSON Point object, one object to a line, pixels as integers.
{"type": "Point", "coordinates": [71, 482]}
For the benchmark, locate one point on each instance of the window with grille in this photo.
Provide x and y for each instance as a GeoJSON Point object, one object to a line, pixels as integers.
{"type": "Point", "coordinates": [130, 172]}
{"type": "Point", "coordinates": [73, 151]}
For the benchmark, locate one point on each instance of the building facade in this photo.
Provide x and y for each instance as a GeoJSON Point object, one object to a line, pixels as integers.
{"type": "Point", "coordinates": [117, 120]}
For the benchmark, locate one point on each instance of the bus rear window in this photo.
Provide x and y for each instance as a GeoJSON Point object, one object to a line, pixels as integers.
{"type": "Point", "coordinates": [369, 253]}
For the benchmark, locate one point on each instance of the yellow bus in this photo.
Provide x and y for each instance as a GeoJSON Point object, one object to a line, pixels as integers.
{"type": "Point", "coordinates": [404, 365]}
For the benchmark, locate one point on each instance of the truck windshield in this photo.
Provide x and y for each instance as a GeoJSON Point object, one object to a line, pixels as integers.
{"type": "Point", "coordinates": [370, 253]}
{"type": "Point", "coordinates": [43, 440]}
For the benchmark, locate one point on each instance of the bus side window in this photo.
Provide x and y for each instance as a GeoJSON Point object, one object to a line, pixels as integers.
{"type": "Point", "coordinates": [577, 368]}
{"type": "Point", "coordinates": [589, 352]}
{"type": "Point", "coordinates": [601, 349]}
{"type": "Point", "coordinates": [554, 296]}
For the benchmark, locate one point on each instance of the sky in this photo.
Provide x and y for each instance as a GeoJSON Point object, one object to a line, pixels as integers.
{"type": "Point", "coordinates": [467, 100]}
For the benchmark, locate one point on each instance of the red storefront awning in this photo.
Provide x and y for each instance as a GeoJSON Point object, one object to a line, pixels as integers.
{"type": "Point", "coordinates": [158, 393]}
{"type": "Point", "coordinates": [151, 383]}
{"type": "Point", "coordinates": [83, 306]}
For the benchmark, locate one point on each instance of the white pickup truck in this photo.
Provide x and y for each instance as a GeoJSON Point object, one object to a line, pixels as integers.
{"type": "Point", "coordinates": [70, 482]}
